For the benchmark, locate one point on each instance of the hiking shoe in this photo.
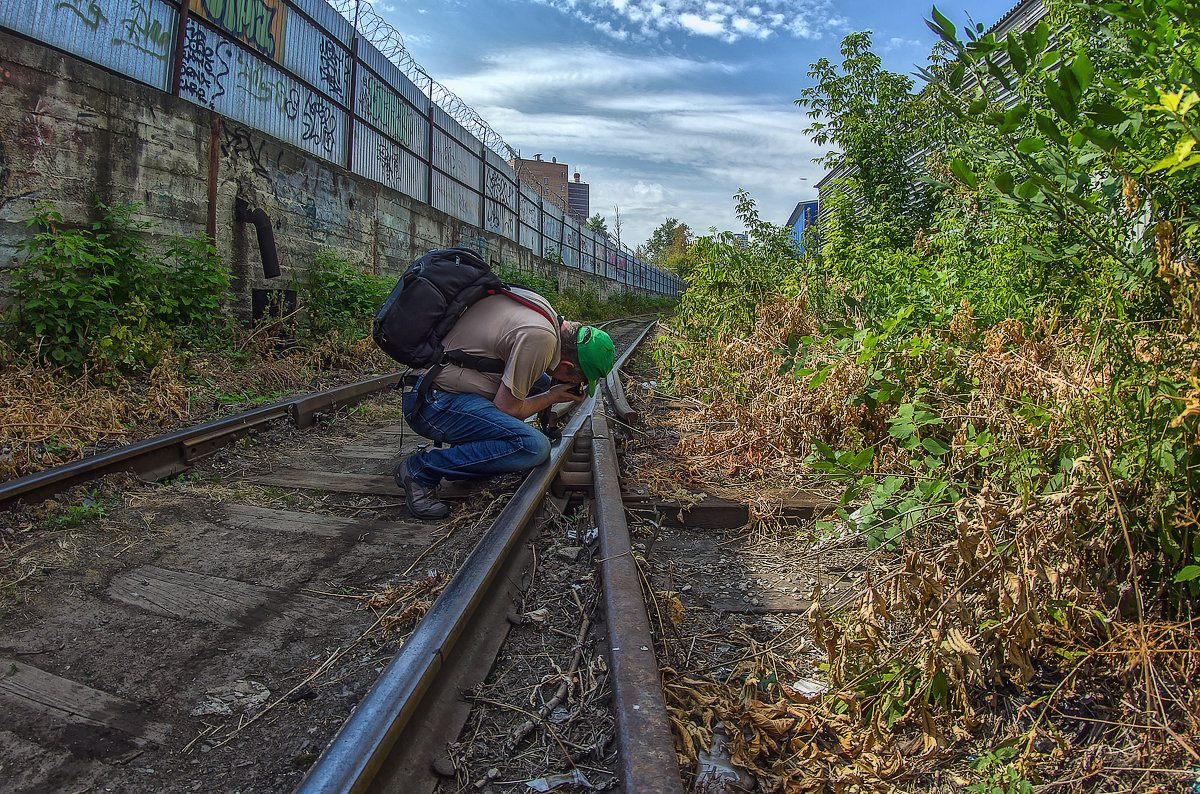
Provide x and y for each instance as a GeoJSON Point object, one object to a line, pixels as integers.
{"type": "Point", "coordinates": [421, 499]}
{"type": "Point", "coordinates": [462, 489]}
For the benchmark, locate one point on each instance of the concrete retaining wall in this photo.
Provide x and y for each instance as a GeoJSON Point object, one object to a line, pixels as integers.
{"type": "Point", "coordinates": [71, 132]}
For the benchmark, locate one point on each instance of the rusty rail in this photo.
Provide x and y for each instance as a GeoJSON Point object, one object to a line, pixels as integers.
{"type": "Point", "coordinates": [644, 740]}
{"type": "Point", "coordinates": [174, 453]}
{"type": "Point", "coordinates": [393, 736]}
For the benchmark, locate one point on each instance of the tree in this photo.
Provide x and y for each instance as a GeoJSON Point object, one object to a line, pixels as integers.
{"type": "Point", "coordinates": [877, 125]}
{"type": "Point", "coordinates": [617, 224]}
{"type": "Point", "coordinates": [597, 224]}
{"type": "Point", "coordinates": [668, 245]}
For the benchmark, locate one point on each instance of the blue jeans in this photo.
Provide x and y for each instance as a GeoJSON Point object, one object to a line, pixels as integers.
{"type": "Point", "coordinates": [486, 441]}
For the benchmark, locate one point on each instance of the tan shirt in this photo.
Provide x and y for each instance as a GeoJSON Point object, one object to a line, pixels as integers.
{"type": "Point", "coordinates": [500, 327]}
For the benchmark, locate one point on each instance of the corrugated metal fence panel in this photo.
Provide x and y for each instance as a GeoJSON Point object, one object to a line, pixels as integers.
{"type": "Point", "coordinates": [446, 122]}
{"type": "Point", "coordinates": [531, 239]}
{"type": "Point", "coordinates": [587, 253]}
{"type": "Point", "coordinates": [262, 26]}
{"type": "Point", "coordinates": [452, 159]}
{"type": "Point", "coordinates": [531, 208]}
{"type": "Point", "coordinates": [317, 58]}
{"type": "Point", "coordinates": [391, 74]}
{"type": "Point", "coordinates": [551, 231]}
{"type": "Point", "coordinates": [499, 163]}
{"type": "Point", "coordinates": [552, 224]}
{"type": "Point", "coordinates": [329, 19]}
{"type": "Point", "coordinates": [570, 246]}
{"type": "Point", "coordinates": [456, 200]}
{"type": "Point", "coordinates": [132, 37]}
{"type": "Point", "coordinates": [376, 157]}
{"type": "Point", "coordinates": [387, 110]}
{"type": "Point", "coordinates": [499, 219]}
{"type": "Point", "coordinates": [244, 87]}
{"type": "Point", "coordinates": [499, 198]}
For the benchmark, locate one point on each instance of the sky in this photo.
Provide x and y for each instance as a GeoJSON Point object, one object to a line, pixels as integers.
{"type": "Point", "coordinates": [666, 108]}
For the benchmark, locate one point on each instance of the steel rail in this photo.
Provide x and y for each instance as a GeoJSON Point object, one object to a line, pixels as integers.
{"type": "Point", "coordinates": [644, 741]}
{"type": "Point", "coordinates": [173, 453]}
{"type": "Point", "coordinates": [353, 758]}
{"type": "Point", "coordinates": [350, 761]}
{"type": "Point", "coordinates": [612, 383]}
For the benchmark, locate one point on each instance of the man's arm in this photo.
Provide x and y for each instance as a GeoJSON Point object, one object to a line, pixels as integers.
{"type": "Point", "coordinates": [507, 402]}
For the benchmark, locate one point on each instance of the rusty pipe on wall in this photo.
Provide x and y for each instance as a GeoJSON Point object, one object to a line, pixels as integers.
{"type": "Point", "coordinates": [266, 234]}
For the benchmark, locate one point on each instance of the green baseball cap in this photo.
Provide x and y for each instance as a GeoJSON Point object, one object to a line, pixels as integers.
{"type": "Point", "coordinates": [596, 354]}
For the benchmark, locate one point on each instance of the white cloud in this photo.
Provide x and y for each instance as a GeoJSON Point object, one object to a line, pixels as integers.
{"type": "Point", "coordinates": [896, 43]}
{"type": "Point", "coordinates": [650, 134]}
{"type": "Point", "coordinates": [727, 21]}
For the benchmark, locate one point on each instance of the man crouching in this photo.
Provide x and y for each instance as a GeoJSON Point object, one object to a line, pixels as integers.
{"type": "Point", "coordinates": [482, 414]}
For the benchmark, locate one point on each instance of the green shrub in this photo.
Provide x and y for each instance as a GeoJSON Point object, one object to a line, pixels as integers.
{"type": "Point", "coordinates": [102, 297]}
{"type": "Point", "coordinates": [339, 297]}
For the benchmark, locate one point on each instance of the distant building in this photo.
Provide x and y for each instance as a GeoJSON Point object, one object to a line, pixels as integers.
{"type": "Point", "coordinates": [549, 179]}
{"type": "Point", "coordinates": [803, 218]}
{"type": "Point", "coordinates": [579, 200]}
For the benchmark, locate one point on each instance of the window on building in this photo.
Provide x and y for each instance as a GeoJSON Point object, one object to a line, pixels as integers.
{"type": "Point", "coordinates": [545, 180]}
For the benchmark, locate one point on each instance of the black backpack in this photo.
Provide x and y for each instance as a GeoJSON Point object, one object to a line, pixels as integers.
{"type": "Point", "coordinates": [426, 303]}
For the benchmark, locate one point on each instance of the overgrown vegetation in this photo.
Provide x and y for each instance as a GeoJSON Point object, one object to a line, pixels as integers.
{"type": "Point", "coordinates": [586, 305]}
{"type": "Point", "coordinates": [103, 298]}
{"type": "Point", "coordinates": [110, 336]}
{"type": "Point", "coordinates": [1001, 386]}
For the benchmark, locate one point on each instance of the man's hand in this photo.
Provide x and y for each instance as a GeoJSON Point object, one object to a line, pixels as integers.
{"type": "Point", "coordinates": [568, 393]}
{"type": "Point", "coordinates": [523, 409]}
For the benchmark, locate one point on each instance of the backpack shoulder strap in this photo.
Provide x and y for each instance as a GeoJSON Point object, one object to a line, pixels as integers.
{"type": "Point", "coordinates": [507, 290]}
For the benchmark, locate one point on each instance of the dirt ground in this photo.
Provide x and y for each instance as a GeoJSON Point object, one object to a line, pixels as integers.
{"type": "Point", "coordinates": [245, 702]}
{"type": "Point", "coordinates": [173, 643]}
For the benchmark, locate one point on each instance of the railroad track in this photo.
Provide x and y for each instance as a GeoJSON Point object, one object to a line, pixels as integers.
{"type": "Point", "coordinates": [257, 624]}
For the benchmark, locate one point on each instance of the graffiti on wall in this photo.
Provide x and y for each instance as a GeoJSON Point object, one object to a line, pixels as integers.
{"type": "Point", "coordinates": [90, 13]}
{"type": "Point", "coordinates": [144, 33]}
{"type": "Point", "coordinates": [333, 69]}
{"type": "Point", "coordinates": [204, 67]}
{"type": "Point", "coordinates": [384, 109]}
{"type": "Point", "coordinates": [259, 23]}
{"type": "Point", "coordinates": [319, 124]}
{"type": "Point", "coordinates": [237, 144]}
{"type": "Point", "coordinates": [264, 84]}
{"type": "Point", "coordinates": [239, 85]}
{"type": "Point", "coordinates": [501, 194]}
{"type": "Point", "coordinates": [391, 161]}
{"type": "Point", "coordinates": [453, 158]}
{"type": "Point", "coordinates": [296, 187]}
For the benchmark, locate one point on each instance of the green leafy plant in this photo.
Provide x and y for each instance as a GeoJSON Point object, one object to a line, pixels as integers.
{"type": "Point", "coordinates": [339, 297]}
{"type": "Point", "coordinates": [101, 296]}
{"type": "Point", "coordinates": [1000, 774]}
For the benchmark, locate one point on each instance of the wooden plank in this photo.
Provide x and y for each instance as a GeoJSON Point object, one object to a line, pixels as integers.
{"type": "Point", "coordinates": [336, 482]}
{"type": "Point", "coordinates": [249, 517]}
{"type": "Point", "coordinates": [67, 701]}
{"type": "Point", "coordinates": [212, 599]}
{"type": "Point", "coordinates": [363, 452]}
{"type": "Point", "coordinates": [713, 512]}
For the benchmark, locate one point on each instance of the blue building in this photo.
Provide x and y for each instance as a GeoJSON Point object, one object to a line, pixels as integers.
{"type": "Point", "coordinates": [803, 218]}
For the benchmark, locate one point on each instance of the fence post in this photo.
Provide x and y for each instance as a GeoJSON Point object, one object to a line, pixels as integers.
{"type": "Point", "coordinates": [351, 103]}
{"type": "Point", "coordinates": [180, 39]}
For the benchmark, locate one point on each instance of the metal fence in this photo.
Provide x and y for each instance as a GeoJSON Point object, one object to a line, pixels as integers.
{"type": "Point", "coordinates": [299, 71]}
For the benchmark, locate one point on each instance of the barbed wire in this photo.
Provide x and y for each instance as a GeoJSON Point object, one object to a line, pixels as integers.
{"type": "Point", "coordinates": [390, 43]}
